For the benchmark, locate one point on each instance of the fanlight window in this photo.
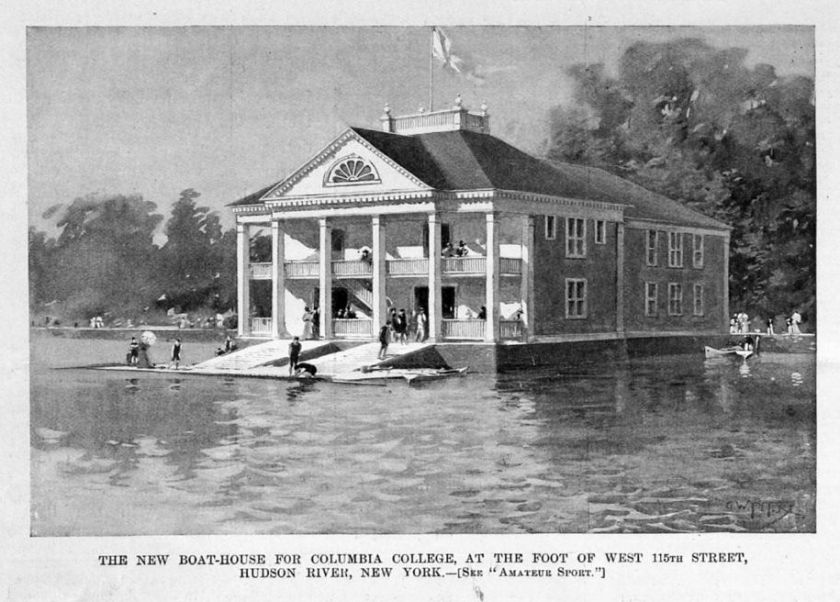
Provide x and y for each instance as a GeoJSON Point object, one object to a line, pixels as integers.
{"type": "Point", "coordinates": [351, 170]}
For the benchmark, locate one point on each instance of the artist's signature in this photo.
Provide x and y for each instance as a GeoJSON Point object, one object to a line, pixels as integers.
{"type": "Point", "coordinates": [769, 510]}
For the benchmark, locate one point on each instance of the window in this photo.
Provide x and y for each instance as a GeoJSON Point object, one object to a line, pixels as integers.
{"type": "Point", "coordinates": [675, 297]}
{"type": "Point", "coordinates": [651, 244]}
{"type": "Point", "coordinates": [651, 298]}
{"type": "Point", "coordinates": [675, 249]}
{"type": "Point", "coordinates": [698, 299]}
{"type": "Point", "coordinates": [550, 227]}
{"type": "Point", "coordinates": [350, 170]}
{"type": "Point", "coordinates": [575, 237]}
{"type": "Point", "coordinates": [697, 257]}
{"type": "Point", "coordinates": [575, 298]}
{"type": "Point", "coordinates": [600, 232]}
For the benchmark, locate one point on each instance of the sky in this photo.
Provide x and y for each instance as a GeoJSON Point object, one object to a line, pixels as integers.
{"type": "Point", "coordinates": [229, 110]}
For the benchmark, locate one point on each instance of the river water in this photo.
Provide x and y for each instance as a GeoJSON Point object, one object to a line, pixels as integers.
{"type": "Point", "coordinates": [665, 444]}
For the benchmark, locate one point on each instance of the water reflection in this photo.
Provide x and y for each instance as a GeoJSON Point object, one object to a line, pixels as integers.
{"type": "Point", "coordinates": [655, 445]}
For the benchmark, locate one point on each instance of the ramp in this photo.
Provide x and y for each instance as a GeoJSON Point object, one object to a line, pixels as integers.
{"type": "Point", "coordinates": [354, 359]}
{"type": "Point", "coordinates": [259, 355]}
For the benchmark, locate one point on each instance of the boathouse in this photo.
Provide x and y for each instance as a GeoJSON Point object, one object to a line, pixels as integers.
{"type": "Point", "coordinates": [550, 252]}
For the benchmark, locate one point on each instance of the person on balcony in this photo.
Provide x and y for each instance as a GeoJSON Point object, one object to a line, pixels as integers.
{"type": "Point", "coordinates": [482, 314]}
{"type": "Point", "coordinates": [448, 250]}
{"type": "Point", "coordinates": [462, 250]}
{"type": "Point", "coordinates": [365, 255]}
{"type": "Point", "coordinates": [349, 314]}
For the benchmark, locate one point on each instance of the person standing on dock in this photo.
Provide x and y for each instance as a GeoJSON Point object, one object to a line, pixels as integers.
{"type": "Point", "coordinates": [795, 320]}
{"type": "Point", "coordinates": [176, 352]}
{"type": "Point", "coordinates": [384, 336]}
{"type": "Point", "coordinates": [294, 355]}
{"type": "Point", "coordinates": [133, 351]}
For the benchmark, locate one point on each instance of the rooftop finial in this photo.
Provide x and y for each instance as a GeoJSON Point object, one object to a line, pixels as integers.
{"type": "Point", "coordinates": [387, 109]}
{"type": "Point", "coordinates": [484, 108]}
{"type": "Point", "coordinates": [422, 109]}
{"type": "Point", "coordinates": [458, 101]}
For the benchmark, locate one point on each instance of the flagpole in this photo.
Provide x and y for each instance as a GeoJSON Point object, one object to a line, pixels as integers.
{"type": "Point", "coordinates": [431, 71]}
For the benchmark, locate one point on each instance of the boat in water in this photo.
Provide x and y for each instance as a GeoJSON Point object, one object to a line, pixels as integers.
{"type": "Point", "coordinates": [747, 347]}
{"type": "Point", "coordinates": [410, 375]}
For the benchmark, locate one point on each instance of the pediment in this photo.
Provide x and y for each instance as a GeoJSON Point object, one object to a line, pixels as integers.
{"type": "Point", "coordinates": [348, 166]}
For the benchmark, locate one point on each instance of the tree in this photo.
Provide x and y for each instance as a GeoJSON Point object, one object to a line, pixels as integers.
{"type": "Point", "coordinates": [104, 257]}
{"type": "Point", "coordinates": [696, 124]}
{"type": "Point", "coordinates": [192, 257]}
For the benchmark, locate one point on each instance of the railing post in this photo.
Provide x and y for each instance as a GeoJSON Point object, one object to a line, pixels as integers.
{"type": "Point", "coordinates": [380, 309]}
{"type": "Point", "coordinates": [325, 278]}
{"type": "Point", "coordinates": [435, 309]}
{"type": "Point", "coordinates": [243, 285]}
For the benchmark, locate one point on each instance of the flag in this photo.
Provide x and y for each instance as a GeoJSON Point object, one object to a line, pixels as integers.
{"type": "Point", "coordinates": [442, 51]}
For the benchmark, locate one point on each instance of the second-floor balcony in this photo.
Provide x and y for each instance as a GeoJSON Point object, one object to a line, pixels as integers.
{"type": "Point", "coordinates": [474, 266]}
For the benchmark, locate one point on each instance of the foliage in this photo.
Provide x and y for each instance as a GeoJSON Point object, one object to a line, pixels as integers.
{"type": "Point", "coordinates": [696, 124]}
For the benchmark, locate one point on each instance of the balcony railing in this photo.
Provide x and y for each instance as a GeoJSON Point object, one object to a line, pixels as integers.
{"type": "Point", "coordinates": [352, 328]}
{"type": "Point", "coordinates": [261, 326]}
{"type": "Point", "coordinates": [463, 265]}
{"type": "Point", "coordinates": [302, 269]}
{"type": "Point", "coordinates": [510, 265]}
{"type": "Point", "coordinates": [464, 329]}
{"type": "Point", "coordinates": [352, 269]}
{"type": "Point", "coordinates": [510, 329]}
{"type": "Point", "coordinates": [408, 267]}
{"type": "Point", "coordinates": [260, 271]}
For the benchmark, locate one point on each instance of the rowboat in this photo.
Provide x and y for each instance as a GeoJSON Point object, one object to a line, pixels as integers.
{"type": "Point", "coordinates": [747, 348]}
{"type": "Point", "coordinates": [410, 375]}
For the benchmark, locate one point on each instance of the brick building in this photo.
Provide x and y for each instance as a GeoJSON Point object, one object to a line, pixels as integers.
{"type": "Point", "coordinates": [547, 251]}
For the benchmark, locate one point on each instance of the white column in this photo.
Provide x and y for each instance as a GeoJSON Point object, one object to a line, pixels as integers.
{"type": "Point", "coordinates": [325, 279]}
{"type": "Point", "coordinates": [725, 322]}
{"type": "Point", "coordinates": [243, 279]}
{"type": "Point", "coordinates": [492, 269]}
{"type": "Point", "coordinates": [278, 281]}
{"type": "Point", "coordinates": [380, 305]}
{"type": "Point", "coordinates": [435, 309]}
{"type": "Point", "coordinates": [526, 283]}
{"type": "Point", "coordinates": [619, 278]}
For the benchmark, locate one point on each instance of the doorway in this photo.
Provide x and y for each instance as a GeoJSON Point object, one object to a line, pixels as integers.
{"type": "Point", "coordinates": [447, 298]}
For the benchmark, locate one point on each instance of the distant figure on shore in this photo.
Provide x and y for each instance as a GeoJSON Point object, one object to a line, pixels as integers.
{"type": "Point", "coordinates": [384, 337]}
{"type": "Point", "coordinates": [307, 323]}
{"type": "Point", "coordinates": [176, 353]}
{"type": "Point", "coordinates": [228, 345]}
{"type": "Point", "coordinates": [795, 320]}
{"type": "Point", "coordinates": [133, 351]}
{"type": "Point", "coordinates": [733, 325]}
{"type": "Point", "coordinates": [770, 326]}
{"type": "Point", "coordinates": [316, 323]}
{"type": "Point", "coordinates": [294, 355]}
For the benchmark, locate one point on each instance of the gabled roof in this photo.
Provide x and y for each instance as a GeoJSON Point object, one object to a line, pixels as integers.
{"type": "Point", "coordinates": [253, 198]}
{"type": "Point", "coordinates": [464, 160]}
